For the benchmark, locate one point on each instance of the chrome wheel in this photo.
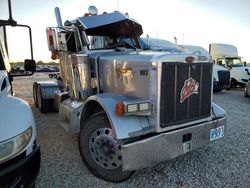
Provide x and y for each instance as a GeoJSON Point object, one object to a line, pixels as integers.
{"type": "Point", "coordinates": [104, 149]}
{"type": "Point", "coordinates": [100, 150]}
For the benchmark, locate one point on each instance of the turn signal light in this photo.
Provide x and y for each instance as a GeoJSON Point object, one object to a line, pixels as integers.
{"type": "Point", "coordinates": [119, 109]}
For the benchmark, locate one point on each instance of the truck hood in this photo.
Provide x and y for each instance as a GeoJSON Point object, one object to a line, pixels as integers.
{"type": "Point", "coordinates": [16, 117]}
{"type": "Point", "coordinates": [4, 84]}
{"type": "Point", "coordinates": [242, 69]}
{"type": "Point", "coordinates": [141, 55]}
{"type": "Point", "coordinates": [240, 73]}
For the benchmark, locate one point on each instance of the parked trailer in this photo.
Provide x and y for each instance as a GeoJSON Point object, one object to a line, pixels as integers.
{"type": "Point", "coordinates": [19, 152]}
{"type": "Point", "coordinates": [226, 55]}
{"type": "Point", "coordinates": [132, 108]}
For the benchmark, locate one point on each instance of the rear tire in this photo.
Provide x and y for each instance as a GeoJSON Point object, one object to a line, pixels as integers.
{"type": "Point", "coordinates": [233, 83]}
{"type": "Point", "coordinates": [100, 151]}
{"type": "Point", "coordinates": [45, 105]}
{"type": "Point", "coordinates": [35, 88]}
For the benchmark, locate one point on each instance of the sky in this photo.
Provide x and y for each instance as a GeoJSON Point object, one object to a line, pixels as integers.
{"type": "Point", "coordinates": [192, 22]}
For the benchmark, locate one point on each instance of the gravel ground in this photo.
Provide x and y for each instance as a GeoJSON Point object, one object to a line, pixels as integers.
{"type": "Point", "coordinates": [225, 163]}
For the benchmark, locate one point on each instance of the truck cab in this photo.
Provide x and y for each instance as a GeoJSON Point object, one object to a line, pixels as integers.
{"type": "Point", "coordinates": [19, 151]}
{"type": "Point", "coordinates": [226, 55]}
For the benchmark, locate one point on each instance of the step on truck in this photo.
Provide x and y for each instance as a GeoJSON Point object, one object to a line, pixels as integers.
{"type": "Point", "coordinates": [19, 152]}
{"type": "Point", "coordinates": [226, 55]}
{"type": "Point", "coordinates": [132, 108]}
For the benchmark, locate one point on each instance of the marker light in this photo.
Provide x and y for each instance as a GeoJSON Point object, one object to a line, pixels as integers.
{"type": "Point", "coordinates": [119, 109]}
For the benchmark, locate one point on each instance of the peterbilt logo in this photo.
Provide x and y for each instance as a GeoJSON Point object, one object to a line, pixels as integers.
{"type": "Point", "coordinates": [189, 88]}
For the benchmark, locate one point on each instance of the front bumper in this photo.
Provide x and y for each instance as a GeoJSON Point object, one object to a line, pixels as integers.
{"type": "Point", "coordinates": [166, 146]}
{"type": "Point", "coordinates": [20, 171]}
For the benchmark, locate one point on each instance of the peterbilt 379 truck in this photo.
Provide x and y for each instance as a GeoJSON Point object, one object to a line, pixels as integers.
{"type": "Point", "coordinates": [132, 108]}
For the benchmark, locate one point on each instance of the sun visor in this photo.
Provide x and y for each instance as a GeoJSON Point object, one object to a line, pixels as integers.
{"type": "Point", "coordinates": [115, 23]}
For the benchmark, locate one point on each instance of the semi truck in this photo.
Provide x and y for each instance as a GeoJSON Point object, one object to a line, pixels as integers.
{"type": "Point", "coordinates": [226, 55]}
{"type": "Point", "coordinates": [132, 108]}
{"type": "Point", "coordinates": [19, 151]}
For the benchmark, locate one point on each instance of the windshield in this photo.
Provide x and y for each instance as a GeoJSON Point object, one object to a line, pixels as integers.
{"type": "Point", "coordinates": [109, 42]}
{"type": "Point", "coordinates": [234, 62]}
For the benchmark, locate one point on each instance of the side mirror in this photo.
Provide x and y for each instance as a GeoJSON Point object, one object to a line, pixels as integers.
{"type": "Point", "coordinates": [29, 65]}
{"type": "Point", "coordinates": [245, 63]}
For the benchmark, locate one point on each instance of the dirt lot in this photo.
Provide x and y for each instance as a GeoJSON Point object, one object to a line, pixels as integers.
{"type": "Point", "coordinates": [225, 163]}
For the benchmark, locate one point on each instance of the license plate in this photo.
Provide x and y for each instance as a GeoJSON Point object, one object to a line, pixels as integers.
{"type": "Point", "coordinates": [217, 133]}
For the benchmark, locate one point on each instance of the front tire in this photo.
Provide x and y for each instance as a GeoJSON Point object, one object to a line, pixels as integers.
{"type": "Point", "coordinates": [100, 151]}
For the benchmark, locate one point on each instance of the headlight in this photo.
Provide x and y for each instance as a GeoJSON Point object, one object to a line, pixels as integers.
{"type": "Point", "coordinates": [13, 146]}
{"type": "Point", "coordinates": [133, 108]}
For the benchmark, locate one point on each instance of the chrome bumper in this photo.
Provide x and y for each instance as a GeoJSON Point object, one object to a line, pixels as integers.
{"type": "Point", "coordinates": [167, 145]}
